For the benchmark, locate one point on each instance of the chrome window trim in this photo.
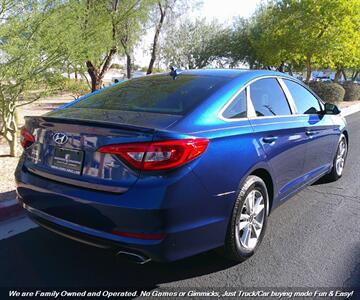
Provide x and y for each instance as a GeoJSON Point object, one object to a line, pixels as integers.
{"type": "Point", "coordinates": [273, 117]}
{"type": "Point", "coordinates": [288, 96]}
{"type": "Point", "coordinates": [220, 114]}
{"type": "Point", "coordinates": [251, 114]}
{"type": "Point", "coordinates": [321, 102]}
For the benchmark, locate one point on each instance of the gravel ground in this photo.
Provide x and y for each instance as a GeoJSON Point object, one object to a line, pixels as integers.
{"type": "Point", "coordinates": [8, 165]}
{"type": "Point", "coordinates": [348, 103]}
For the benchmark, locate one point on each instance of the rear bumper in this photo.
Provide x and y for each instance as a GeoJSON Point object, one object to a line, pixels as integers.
{"type": "Point", "coordinates": [81, 233]}
{"type": "Point", "coordinates": [190, 220]}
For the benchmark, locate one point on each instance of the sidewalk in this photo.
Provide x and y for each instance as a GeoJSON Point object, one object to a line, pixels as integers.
{"type": "Point", "coordinates": [348, 108]}
{"type": "Point", "coordinates": [10, 208]}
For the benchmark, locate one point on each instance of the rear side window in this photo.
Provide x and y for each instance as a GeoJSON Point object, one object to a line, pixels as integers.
{"type": "Point", "coordinates": [305, 102]}
{"type": "Point", "coordinates": [268, 98]}
{"type": "Point", "coordinates": [237, 108]}
{"type": "Point", "coordinates": [158, 94]}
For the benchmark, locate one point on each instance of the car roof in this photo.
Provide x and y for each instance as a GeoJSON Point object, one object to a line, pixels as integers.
{"type": "Point", "coordinates": [232, 73]}
{"type": "Point", "coordinates": [207, 111]}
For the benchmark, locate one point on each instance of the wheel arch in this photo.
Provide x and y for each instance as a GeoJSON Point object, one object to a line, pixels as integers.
{"type": "Point", "coordinates": [346, 136]}
{"type": "Point", "coordinates": [266, 177]}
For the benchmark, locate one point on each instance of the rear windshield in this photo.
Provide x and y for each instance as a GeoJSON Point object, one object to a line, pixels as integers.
{"type": "Point", "coordinates": [158, 94]}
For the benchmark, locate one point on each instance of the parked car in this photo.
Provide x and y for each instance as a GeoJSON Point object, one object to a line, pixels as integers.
{"type": "Point", "coordinates": [164, 167]}
{"type": "Point", "coordinates": [323, 79]}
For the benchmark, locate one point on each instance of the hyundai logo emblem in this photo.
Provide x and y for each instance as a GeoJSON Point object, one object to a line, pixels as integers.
{"type": "Point", "coordinates": [60, 138]}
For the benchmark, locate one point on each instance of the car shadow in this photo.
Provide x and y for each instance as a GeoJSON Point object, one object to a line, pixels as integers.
{"type": "Point", "coordinates": [322, 180]}
{"type": "Point", "coordinates": [38, 258]}
{"type": "Point", "coordinates": [9, 195]}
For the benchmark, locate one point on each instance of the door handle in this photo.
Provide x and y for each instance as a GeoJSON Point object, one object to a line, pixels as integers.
{"type": "Point", "coordinates": [310, 132]}
{"type": "Point", "coordinates": [269, 139]}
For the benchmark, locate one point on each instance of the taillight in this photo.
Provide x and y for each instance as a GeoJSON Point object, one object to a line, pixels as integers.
{"type": "Point", "coordinates": [26, 138]}
{"type": "Point", "coordinates": [150, 156]}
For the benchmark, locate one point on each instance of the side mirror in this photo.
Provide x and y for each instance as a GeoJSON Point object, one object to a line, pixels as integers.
{"type": "Point", "coordinates": [331, 109]}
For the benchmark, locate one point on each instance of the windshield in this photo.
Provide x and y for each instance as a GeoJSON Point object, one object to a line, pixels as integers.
{"type": "Point", "coordinates": [158, 94]}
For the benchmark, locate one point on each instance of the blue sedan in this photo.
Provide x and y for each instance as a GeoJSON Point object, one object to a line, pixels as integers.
{"type": "Point", "coordinates": [166, 166]}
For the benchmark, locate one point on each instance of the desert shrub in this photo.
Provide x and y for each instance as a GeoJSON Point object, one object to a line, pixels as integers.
{"type": "Point", "coordinates": [352, 91]}
{"type": "Point", "coordinates": [328, 91]}
{"type": "Point", "coordinates": [116, 66]}
{"type": "Point", "coordinates": [76, 88]}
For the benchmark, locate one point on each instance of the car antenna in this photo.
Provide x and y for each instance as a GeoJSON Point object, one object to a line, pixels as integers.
{"type": "Point", "coordinates": [174, 72]}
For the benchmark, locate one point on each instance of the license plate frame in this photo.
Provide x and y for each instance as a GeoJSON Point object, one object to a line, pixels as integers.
{"type": "Point", "coordinates": [68, 160]}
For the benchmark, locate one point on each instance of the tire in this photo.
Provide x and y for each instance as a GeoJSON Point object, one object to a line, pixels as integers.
{"type": "Point", "coordinates": [336, 172]}
{"type": "Point", "coordinates": [240, 243]}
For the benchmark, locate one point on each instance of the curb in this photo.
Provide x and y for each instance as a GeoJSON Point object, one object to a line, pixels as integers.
{"type": "Point", "coordinates": [9, 209]}
{"type": "Point", "coordinates": [350, 110]}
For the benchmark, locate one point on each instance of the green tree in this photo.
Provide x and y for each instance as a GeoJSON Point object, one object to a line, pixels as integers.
{"type": "Point", "coordinates": [96, 32]}
{"type": "Point", "coordinates": [166, 14]}
{"type": "Point", "coordinates": [27, 56]}
{"type": "Point", "coordinates": [193, 44]}
{"type": "Point", "coordinates": [240, 44]}
{"type": "Point", "coordinates": [131, 31]}
{"type": "Point", "coordinates": [307, 32]}
{"type": "Point", "coordinates": [163, 8]}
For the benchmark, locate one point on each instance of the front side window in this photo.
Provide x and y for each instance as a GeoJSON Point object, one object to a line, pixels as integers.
{"type": "Point", "coordinates": [305, 102]}
{"type": "Point", "coordinates": [237, 108]}
{"type": "Point", "coordinates": [268, 98]}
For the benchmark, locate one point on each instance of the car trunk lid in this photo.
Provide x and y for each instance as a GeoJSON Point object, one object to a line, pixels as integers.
{"type": "Point", "coordinates": [65, 148]}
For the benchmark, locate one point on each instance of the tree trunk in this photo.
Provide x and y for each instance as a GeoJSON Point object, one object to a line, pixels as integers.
{"type": "Point", "coordinates": [13, 145]}
{"type": "Point", "coordinates": [344, 74]}
{"type": "Point", "coordinates": [354, 75]}
{"type": "Point", "coordinates": [93, 76]}
{"type": "Point", "coordinates": [96, 82]}
{"type": "Point", "coordinates": [96, 76]}
{"type": "Point", "coordinates": [290, 70]}
{"type": "Point", "coordinates": [281, 68]}
{"type": "Point", "coordinates": [128, 66]}
{"type": "Point", "coordinates": [308, 69]}
{"type": "Point", "coordinates": [337, 75]}
{"type": "Point", "coordinates": [156, 38]}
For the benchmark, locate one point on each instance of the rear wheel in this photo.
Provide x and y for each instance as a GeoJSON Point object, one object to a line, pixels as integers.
{"type": "Point", "coordinates": [248, 221]}
{"type": "Point", "coordinates": [339, 160]}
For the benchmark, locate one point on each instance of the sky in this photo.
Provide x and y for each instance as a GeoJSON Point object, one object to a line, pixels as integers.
{"type": "Point", "coordinates": [225, 10]}
{"type": "Point", "coordinates": [222, 10]}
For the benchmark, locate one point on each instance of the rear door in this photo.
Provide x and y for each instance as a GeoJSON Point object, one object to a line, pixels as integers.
{"type": "Point", "coordinates": [321, 132]}
{"type": "Point", "coordinates": [279, 132]}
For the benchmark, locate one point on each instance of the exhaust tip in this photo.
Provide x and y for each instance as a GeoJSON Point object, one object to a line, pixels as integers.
{"type": "Point", "coordinates": [133, 257]}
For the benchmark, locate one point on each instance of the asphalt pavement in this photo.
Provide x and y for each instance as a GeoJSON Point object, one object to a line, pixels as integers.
{"type": "Point", "coordinates": [312, 240]}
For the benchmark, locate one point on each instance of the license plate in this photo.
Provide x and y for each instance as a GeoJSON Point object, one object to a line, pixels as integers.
{"type": "Point", "coordinates": [68, 160]}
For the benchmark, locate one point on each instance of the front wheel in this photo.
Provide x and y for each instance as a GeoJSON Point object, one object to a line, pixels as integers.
{"type": "Point", "coordinates": [248, 221]}
{"type": "Point", "coordinates": [339, 160]}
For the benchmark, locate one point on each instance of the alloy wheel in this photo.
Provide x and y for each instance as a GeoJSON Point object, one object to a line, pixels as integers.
{"type": "Point", "coordinates": [340, 157]}
{"type": "Point", "coordinates": [251, 220]}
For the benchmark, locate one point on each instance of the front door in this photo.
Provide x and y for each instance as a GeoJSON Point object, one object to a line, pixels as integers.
{"type": "Point", "coordinates": [322, 134]}
{"type": "Point", "coordinates": [280, 133]}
